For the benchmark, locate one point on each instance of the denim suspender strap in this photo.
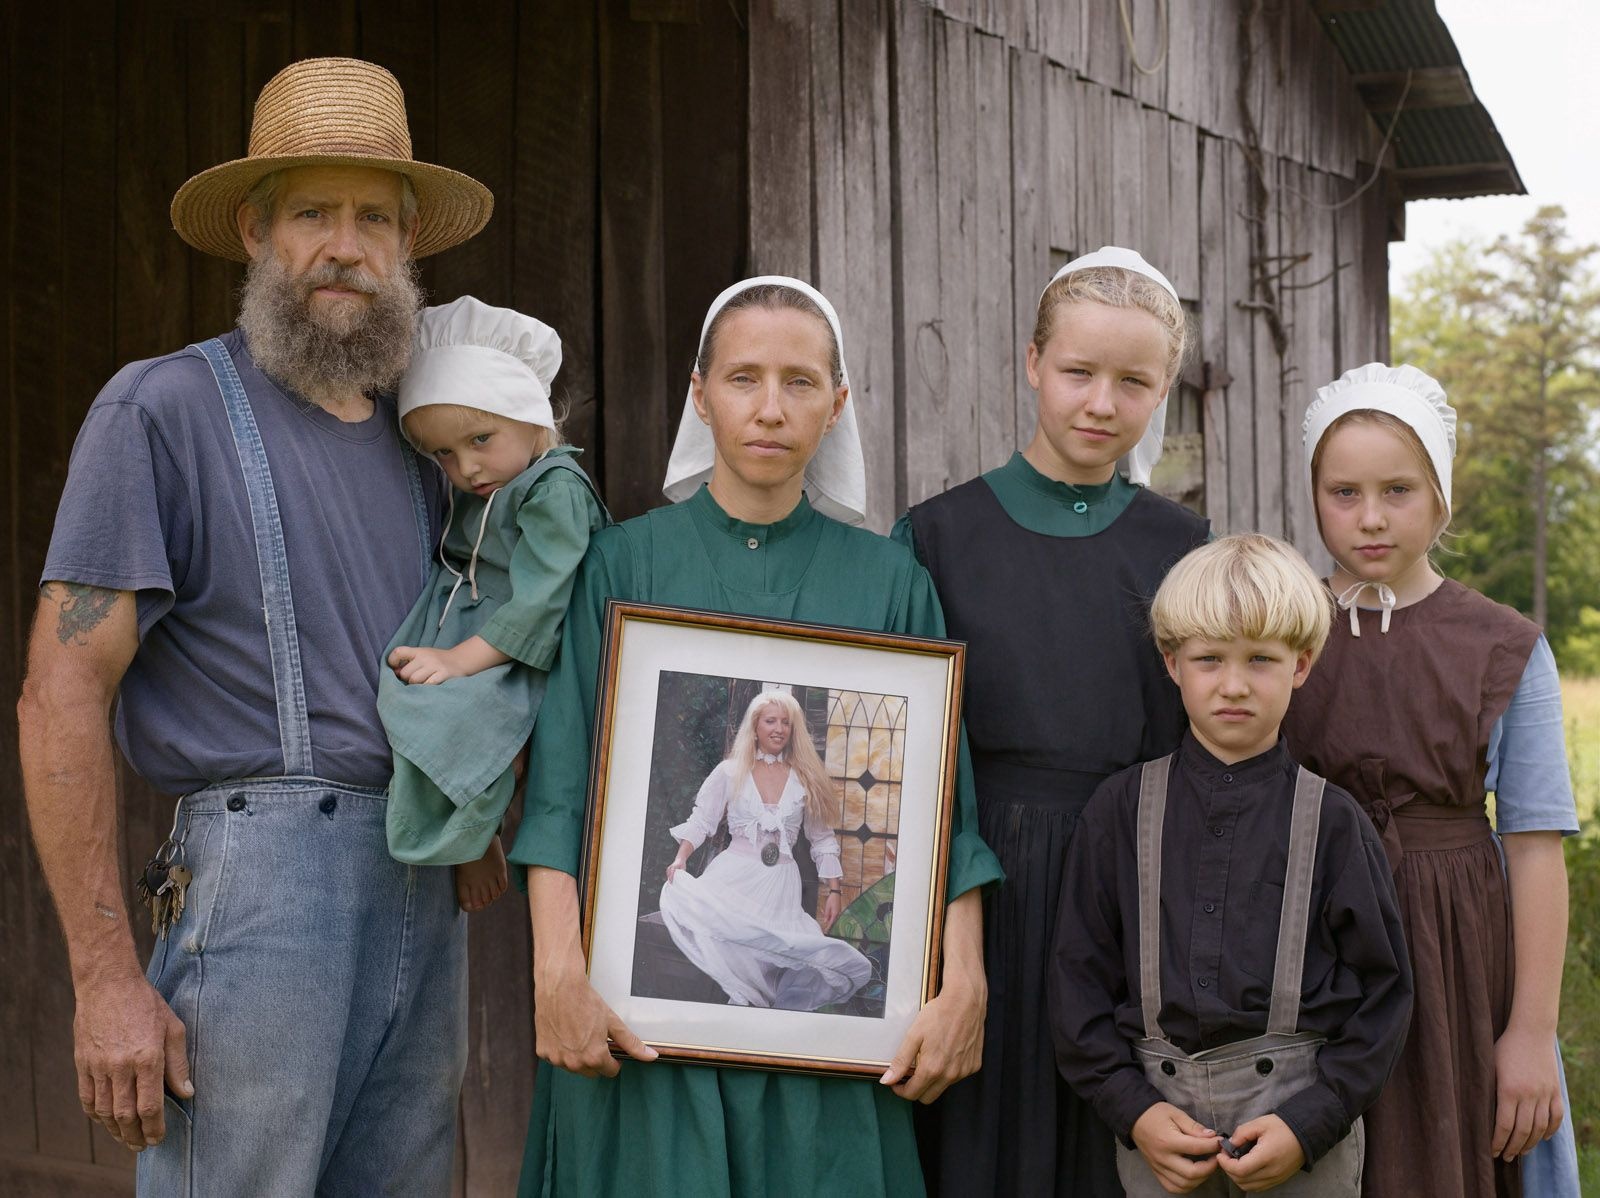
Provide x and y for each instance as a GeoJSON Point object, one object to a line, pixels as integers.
{"type": "Point", "coordinates": [283, 641]}
{"type": "Point", "coordinates": [419, 507]}
{"type": "Point", "coordinates": [1284, 1016]}
{"type": "Point", "coordinates": [1152, 815]}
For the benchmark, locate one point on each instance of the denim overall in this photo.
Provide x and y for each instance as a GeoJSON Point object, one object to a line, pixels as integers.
{"type": "Point", "coordinates": [322, 985]}
{"type": "Point", "coordinates": [1231, 1084]}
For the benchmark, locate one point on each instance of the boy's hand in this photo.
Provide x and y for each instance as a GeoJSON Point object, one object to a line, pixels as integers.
{"type": "Point", "coordinates": [1528, 1106]}
{"type": "Point", "coordinates": [1275, 1157]}
{"type": "Point", "coordinates": [414, 665]}
{"type": "Point", "coordinates": [1170, 1142]}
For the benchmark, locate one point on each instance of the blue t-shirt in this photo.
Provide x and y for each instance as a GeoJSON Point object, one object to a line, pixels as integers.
{"type": "Point", "coordinates": [155, 503]}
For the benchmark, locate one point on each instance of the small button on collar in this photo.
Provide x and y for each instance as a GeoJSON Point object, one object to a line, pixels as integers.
{"type": "Point", "coordinates": [1204, 983]}
{"type": "Point", "coordinates": [1227, 777]}
{"type": "Point", "coordinates": [752, 543]}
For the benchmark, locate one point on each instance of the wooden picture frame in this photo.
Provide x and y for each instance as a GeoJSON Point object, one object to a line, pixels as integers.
{"type": "Point", "coordinates": [727, 963]}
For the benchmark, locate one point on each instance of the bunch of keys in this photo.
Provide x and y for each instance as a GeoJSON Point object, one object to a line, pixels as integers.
{"type": "Point", "coordinates": [162, 886]}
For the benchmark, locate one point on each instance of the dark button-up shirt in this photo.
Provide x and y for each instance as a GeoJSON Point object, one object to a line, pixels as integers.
{"type": "Point", "coordinates": [1223, 860]}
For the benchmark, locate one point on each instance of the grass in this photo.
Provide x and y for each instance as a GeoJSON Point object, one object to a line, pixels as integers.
{"type": "Point", "coordinates": [1580, 984]}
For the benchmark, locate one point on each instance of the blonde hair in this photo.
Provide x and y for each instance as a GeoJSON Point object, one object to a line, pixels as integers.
{"type": "Point", "coordinates": [545, 439]}
{"type": "Point", "coordinates": [1115, 288]}
{"type": "Point", "coordinates": [800, 754]}
{"type": "Point", "coordinates": [1408, 437]}
{"type": "Point", "coordinates": [1244, 587]}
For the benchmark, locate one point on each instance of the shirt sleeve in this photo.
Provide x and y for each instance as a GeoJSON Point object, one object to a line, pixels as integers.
{"type": "Point", "coordinates": [824, 847]}
{"type": "Point", "coordinates": [553, 528]}
{"type": "Point", "coordinates": [1362, 915]}
{"type": "Point", "coordinates": [709, 806]}
{"type": "Point", "coordinates": [972, 863]}
{"type": "Point", "coordinates": [124, 520]}
{"type": "Point", "coordinates": [551, 832]}
{"type": "Point", "coordinates": [1528, 755]}
{"type": "Point", "coordinates": [1087, 976]}
{"type": "Point", "coordinates": [903, 534]}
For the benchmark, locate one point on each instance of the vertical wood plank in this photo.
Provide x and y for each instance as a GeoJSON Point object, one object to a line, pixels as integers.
{"type": "Point", "coordinates": [958, 256]}
{"type": "Point", "coordinates": [1183, 211]}
{"type": "Point", "coordinates": [1061, 198]}
{"type": "Point", "coordinates": [636, 432]}
{"type": "Point", "coordinates": [1002, 327]}
{"type": "Point", "coordinates": [780, 109]}
{"type": "Point", "coordinates": [703, 138]}
{"type": "Point", "coordinates": [1215, 313]}
{"type": "Point", "coordinates": [870, 218]}
{"type": "Point", "coordinates": [324, 28]}
{"type": "Point", "coordinates": [1152, 28]}
{"type": "Point", "coordinates": [1187, 66]}
{"type": "Point", "coordinates": [1097, 197]}
{"type": "Point", "coordinates": [553, 202]}
{"type": "Point", "coordinates": [827, 152]}
{"type": "Point", "coordinates": [1127, 171]}
{"type": "Point", "coordinates": [1105, 54]}
{"type": "Point", "coordinates": [1240, 403]}
{"type": "Point", "coordinates": [1156, 215]}
{"type": "Point", "coordinates": [1061, 32]}
{"type": "Point", "coordinates": [1030, 228]}
{"type": "Point", "coordinates": [476, 55]}
{"type": "Point", "coordinates": [1269, 365]}
{"type": "Point", "coordinates": [1347, 283]}
{"type": "Point", "coordinates": [919, 362]}
{"type": "Point", "coordinates": [216, 133]}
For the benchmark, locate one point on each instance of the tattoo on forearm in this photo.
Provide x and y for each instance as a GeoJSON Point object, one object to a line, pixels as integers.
{"type": "Point", "coordinates": [82, 611]}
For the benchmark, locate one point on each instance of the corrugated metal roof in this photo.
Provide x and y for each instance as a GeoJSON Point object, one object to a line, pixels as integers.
{"type": "Point", "coordinates": [1439, 151]}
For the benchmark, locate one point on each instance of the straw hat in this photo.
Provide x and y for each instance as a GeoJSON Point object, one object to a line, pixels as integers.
{"type": "Point", "coordinates": [329, 112]}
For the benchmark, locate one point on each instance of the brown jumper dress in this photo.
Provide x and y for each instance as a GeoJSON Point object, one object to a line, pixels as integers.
{"type": "Point", "coordinates": [1402, 721]}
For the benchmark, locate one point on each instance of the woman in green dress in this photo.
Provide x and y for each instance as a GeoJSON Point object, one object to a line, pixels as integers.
{"type": "Point", "coordinates": [769, 429]}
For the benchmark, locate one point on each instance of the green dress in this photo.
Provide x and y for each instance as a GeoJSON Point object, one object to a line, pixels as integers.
{"type": "Point", "coordinates": [453, 742]}
{"type": "Point", "coordinates": [684, 1130]}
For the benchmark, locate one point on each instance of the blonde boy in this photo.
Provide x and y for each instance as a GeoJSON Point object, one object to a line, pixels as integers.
{"type": "Point", "coordinates": [1229, 985]}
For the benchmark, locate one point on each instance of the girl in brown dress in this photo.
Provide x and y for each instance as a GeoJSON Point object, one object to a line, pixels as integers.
{"type": "Point", "coordinates": [1405, 712]}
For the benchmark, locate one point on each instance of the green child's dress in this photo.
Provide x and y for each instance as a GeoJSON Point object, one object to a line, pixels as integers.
{"type": "Point", "coordinates": [511, 559]}
{"type": "Point", "coordinates": [682, 1130]}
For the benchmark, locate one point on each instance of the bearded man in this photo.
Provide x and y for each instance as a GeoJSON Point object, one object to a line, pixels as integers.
{"type": "Point", "coordinates": [242, 530]}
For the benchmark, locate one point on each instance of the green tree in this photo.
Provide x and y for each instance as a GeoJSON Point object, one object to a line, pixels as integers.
{"type": "Point", "coordinates": [1512, 330]}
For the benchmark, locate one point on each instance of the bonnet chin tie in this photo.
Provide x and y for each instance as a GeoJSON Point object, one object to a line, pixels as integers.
{"type": "Point", "coordinates": [1347, 601]}
{"type": "Point", "coordinates": [471, 576]}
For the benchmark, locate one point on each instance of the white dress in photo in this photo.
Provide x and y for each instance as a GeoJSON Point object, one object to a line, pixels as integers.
{"type": "Point", "coordinates": [740, 922]}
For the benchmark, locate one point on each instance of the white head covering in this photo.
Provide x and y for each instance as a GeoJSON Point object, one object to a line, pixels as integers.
{"type": "Point", "coordinates": [1407, 394]}
{"type": "Point", "coordinates": [492, 359]}
{"type": "Point", "coordinates": [836, 476]}
{"type": "Point", "coordinates": [1143, 457]}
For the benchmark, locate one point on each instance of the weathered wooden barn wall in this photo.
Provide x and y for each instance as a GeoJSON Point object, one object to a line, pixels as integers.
{"type": "Point", "coordinates": [940, 161]}
{"type": "Point", "coordinates": [927, 166]}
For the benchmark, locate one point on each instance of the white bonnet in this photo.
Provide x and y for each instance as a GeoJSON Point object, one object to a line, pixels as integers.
{"type": "Point", "coordinates": [836, 476]}
{"type": "Point", "coordinates": [1142, 458]}
{"type": "Point", "coordinates": [1403, 392]}
{"type": "Point", "coordinates": [493, 359]}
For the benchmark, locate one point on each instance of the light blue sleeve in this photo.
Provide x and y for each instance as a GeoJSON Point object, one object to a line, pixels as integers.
{"type": "Point", "coordinates": [1528, 756]}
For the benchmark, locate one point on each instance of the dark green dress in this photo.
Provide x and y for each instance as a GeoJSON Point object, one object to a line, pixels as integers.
{"type": "Point", "coordinates": [685, 1130]}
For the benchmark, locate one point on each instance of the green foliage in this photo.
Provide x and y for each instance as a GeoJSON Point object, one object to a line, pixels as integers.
{"type": "Point", "coordinates": [1580, 648]}
{"type": "Point", "coordinates": [1580, 992]}
{"type": "Point", "coordinates": [1512, 331]}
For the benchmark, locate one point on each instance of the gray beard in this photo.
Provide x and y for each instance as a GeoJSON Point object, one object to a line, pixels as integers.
{"type": "Point", "coordinates": [321, 356]}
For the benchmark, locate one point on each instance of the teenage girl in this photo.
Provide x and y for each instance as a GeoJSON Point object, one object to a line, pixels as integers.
{"type": "Point", "coordinates": [1427, 696]}
{"type": "Point", "coordinates": [1045, 567]}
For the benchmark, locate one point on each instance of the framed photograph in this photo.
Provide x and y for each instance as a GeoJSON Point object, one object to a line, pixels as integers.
{"type": "Point", "coordinates": [769, 822]}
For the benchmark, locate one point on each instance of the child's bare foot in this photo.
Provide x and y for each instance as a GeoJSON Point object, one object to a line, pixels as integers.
{"type": "Point", "coordinates": [479, 883]}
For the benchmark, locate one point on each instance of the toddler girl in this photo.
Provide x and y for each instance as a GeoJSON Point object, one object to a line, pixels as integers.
{"type": "Point", "coordinates": [469, 664]}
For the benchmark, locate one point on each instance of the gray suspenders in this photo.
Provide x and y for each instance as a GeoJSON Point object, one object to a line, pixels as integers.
{"type": "Point", "coordinates": [1293, 921]}
{"type": "Point", "coordinates": [283, 641]}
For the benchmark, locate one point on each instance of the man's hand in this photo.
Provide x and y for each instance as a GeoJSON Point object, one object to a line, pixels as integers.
{"type": "Point", "coordinates": [1274, 1159]}
{"type": "Point", "coordinates": [1528, 1099]}
{"type": "Point", "coordinates": [127, 1042]}
{"type": "Point", "coordinates": [1170, 1141]}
